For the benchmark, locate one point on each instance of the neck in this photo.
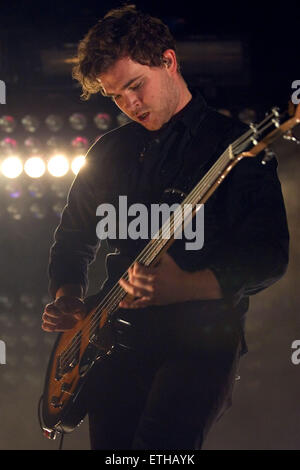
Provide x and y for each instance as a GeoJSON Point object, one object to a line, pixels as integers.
{"type": "Point", "coordinates": [184, 95]}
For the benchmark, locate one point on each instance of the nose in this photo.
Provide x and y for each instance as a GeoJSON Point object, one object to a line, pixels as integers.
{"type": "Point", "coordinates": [132, 102]}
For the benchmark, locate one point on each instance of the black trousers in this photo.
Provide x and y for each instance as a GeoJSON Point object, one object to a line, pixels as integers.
{"type": "Point", "coordinates": [166, 395]}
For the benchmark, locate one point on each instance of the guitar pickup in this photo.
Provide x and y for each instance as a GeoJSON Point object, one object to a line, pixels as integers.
{"type": "Point", "coordinates": [55, 402]}
{"type": "Point", "coordinates": [66, 387]}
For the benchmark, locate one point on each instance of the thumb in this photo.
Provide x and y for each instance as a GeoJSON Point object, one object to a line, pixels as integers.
{"type": "Point", "coordinates": [80, 311]}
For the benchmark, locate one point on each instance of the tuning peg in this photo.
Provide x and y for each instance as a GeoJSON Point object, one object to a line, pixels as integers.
{"type": "Point", "coordinates": [276, 120]}
{"type": "Point", "coordinates": [269, 154]}
{"type": "Point", "coordinates": [289, 136]}
{"type": "Point", "coordinates": [254, 129]}
{"type": "Point", "coordinates": [275, 111]}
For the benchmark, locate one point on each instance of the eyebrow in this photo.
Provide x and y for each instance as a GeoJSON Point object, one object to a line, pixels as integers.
{"type": "Point", "coordinates": [125, 86]}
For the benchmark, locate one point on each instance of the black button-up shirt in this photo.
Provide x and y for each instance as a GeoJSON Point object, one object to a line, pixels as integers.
{"type": "Point", "coordinates": [246, 235]}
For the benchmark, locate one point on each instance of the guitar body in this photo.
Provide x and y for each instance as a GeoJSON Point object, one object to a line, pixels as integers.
{"type": "Point", "coordinates": [73, 355]}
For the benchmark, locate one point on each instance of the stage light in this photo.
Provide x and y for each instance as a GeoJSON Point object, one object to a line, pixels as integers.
{"type": "Point", "coordinates": [46, 299]}
{"type": "Point", "coordinates": [30, 123]}
{"type": "Point", "coordinates": [7, 124]}
{"type": "Point", "coordinates": [14, 212]}
{"type": "Point", "coordinates": [37, 210]}
{"type": "Point", "coordinates": [55, 143]}
{"type": "Point", "coordinates": [36, 189]}
{"type": "Point", "coordinates": [77, 163]}
{"type": "Point", "coordinates": [12, 167]}
{"type": "Point", "coordinates": [28, 300]}
{"type": "Point", "coordinates": [225, 112]}
{"type": "Point", "coordinates": [29, 319]}
{"type": "Point", "coordinates": [34, 167]}
{"type": "Point", "coordinates": [8, 145]}
{"type": "Point", "coordinates": [80, 143]}
{"type": "Point", "coordinates": [29, 340]}
{"type": "Point", "coordinates": [77, 121]}
{"type": "Point", "coordinates": [58, 166]}
{"type": "Point", "coordinates": [32, 144]}
{"type": "Point", "coordinates": [14, 189]}
{"type": "Point", "coordinates": [5, 302]}
{"type": "Point", "coordinates": [6, 321]}
{"type": "Point", "coordinates": [58, 208]}
{"type": "Point", "coordinates": [60, 189]}
{"type": "Point", "coordinates": [247, 116]}
{"type": "Point", "coordinates": [102, 121]}
{"type": "Point", "coordinates": [54, 122]}
{"type": "Point", "coordinates": [122, 119]}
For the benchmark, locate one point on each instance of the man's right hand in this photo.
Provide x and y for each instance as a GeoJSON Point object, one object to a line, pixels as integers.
{"type": "Point", "coordinates": [63, 314]}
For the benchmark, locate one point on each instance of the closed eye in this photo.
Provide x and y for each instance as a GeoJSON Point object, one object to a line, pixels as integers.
{"type": "Point", "coordinates": [135, 87]}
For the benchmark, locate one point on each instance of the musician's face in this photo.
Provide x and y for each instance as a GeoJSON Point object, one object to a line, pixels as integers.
{"type": "Point", "coordinates": [147, 95]}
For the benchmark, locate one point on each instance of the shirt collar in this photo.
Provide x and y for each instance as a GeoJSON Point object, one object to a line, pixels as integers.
{"type": "Point", "coordinates": [189, 117]}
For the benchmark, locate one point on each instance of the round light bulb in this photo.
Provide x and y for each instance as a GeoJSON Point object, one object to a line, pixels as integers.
{"type": "Point", "coordinates": [58, 166]}
{"type": "Point", "coordinates": [12, 167]}
{"type": "Point", "coordinates": [35, 167]}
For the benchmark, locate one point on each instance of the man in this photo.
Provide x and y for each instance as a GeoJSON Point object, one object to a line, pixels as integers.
{"type": "Point", "coordinates": [180, 335]}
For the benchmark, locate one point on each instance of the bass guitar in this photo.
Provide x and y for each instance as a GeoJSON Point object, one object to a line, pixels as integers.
{"type": "Point", "coordinates": [77, 350]}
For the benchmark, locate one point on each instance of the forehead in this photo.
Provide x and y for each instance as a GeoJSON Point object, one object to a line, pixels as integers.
{"type": "Point", "coordinates": [121, 74]}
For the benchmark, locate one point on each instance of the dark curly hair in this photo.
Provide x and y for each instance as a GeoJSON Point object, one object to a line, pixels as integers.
{"type": "Point", "coordinates": [123, 32]}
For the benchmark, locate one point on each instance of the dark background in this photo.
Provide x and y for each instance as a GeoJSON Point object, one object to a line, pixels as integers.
{"type": "Point", "coordinates": [244, 56]}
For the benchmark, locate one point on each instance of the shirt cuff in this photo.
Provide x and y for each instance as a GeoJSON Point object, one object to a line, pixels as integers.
{"type": "Point", "coordinates": [231, 283]}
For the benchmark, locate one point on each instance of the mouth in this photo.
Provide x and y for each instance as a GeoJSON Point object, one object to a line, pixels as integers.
{"type": "Point", "coordinates": [143, 117]}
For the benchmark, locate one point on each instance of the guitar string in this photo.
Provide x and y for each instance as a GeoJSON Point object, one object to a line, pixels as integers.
{"type": "Point", "coordinates": [105, 302]}
{"type": "Point", "coordinates": [143, 256]}
{"type": "Point", "coordinates": [236, 142]}
{"type": "Point", "coordinates": [191, 194]}
{"type": "Point", "coordinates": [215, 169]}
{"type": "Point", "coordinates": [117, 288]}
{"type": "Point", "coordinates": [242, 141]}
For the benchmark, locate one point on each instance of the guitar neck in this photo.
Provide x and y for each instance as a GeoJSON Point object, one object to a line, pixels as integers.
{"type": "Point", "coordinates": [166, 235]}
{"type": "Point", "coordinates": [239, 149]}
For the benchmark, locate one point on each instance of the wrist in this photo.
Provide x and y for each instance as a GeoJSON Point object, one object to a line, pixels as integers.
{"type": "Point", "coordinates": [70, 290]}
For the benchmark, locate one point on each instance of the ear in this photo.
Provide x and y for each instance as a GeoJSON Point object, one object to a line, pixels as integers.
{"type": "Point", "coordinates": [169, 60]}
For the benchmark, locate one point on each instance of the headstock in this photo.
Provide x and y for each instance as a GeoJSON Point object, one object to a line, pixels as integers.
{"type": "Point", "coordinates": [260, 136]}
